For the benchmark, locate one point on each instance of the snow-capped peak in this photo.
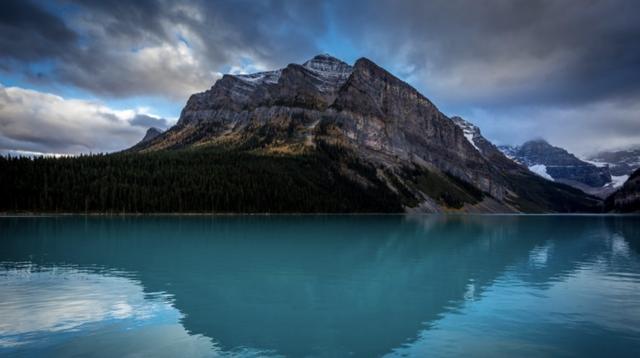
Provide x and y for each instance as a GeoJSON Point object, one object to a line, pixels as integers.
{"type": "Point", "coordinates": [328, 65]}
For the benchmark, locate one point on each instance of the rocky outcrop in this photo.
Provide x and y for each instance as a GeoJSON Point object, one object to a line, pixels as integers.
{"type": "Point", "coordinates": [363, 114]}
{"type": "Point", "coordinates": [151, 134]}
{"type": "Point", "coordinates": [557, 164]}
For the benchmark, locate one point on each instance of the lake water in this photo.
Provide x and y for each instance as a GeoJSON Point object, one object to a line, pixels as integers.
{"type": "Point", "coordinates": [321, 286]}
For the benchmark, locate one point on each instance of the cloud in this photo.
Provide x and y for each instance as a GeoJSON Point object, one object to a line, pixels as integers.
{"type": "Point", "coordinates": [155, 47]}
{"type": "Point", "coordinates": [568, 71]}
{"type": "Point", "coordinates": [516, 62]}
{"type": "Point", "coordinates": [146, 121]}
{"type": "Point", "coordinates": [471, 53]}
{"type": "Point", "coordinates": [504, 52]}
{"type": "Point", "coordinates": [582, 129]}
{"type": "Point", "coordinates": [165, 70]}
{"type": "Point", "coordinates": [33, 121]}
{"type": "Point", "coordinates": [490, 53]}
{"type": "Point", "coordinates": [29, 32]}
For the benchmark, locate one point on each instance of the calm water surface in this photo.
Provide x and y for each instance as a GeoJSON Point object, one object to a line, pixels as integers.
{"type": "Point", "coordinates": [320, 286]}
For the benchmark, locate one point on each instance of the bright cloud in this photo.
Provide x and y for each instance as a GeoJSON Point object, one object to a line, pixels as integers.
{"type": "Point", "coordinates": [40, 122]}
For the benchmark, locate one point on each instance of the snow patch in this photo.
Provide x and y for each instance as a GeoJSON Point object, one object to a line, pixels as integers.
{"type": "Point", "coordinates": [597, 164]}
{"type": "Point", "coordinates": [619, 180]}
{"type": "Point", "coordinates": [468, 129]}
{"type": "Point", "coordinates": [261, 77]}
{"type": "Point", "coordinates": [469, 137]}
{"type": "Point", "coordinates": [541, 170]}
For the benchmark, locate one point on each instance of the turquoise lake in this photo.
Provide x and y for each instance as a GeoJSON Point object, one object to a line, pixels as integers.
{"type": "Point", "coordinates": [320, 286]}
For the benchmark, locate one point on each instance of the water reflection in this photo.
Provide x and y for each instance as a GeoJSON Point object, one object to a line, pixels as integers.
{"type": "Point", "coordinates": [320, 286]}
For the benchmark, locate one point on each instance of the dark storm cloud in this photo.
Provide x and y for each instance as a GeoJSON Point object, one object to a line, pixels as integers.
{"type": "Point", "coordinates": [505, 52]}
{"type": "Point", "coordinates": [156, 47]}
{"type": "Point", "coordinates": [146, 121]}
{"type": "Point", "coordinates": [31, 33]}
{"type": "Point", "coordinates": [129, 19]}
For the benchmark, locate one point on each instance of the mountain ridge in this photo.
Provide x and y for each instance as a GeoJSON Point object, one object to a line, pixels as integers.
{"type": "Point", "coordinates": [620, 162]}
{"type": "Point", "coordinates": [557, 164]}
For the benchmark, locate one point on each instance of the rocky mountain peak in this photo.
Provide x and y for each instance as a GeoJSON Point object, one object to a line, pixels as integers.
{"type": "Point", "coordinates": [374, 90]}
{"type": "Point", "coordinates": [328, 65]}
{"type": "Point", "coordinates": [314, 84]}
{"type": "Point", "coordinates": [539, 151]}
{"type": "Point", "coordinates": [151, 134]}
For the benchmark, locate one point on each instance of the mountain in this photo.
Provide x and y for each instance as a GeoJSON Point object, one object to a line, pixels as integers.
{"type": "Point", "coordinates": [371, 128]}
{"type": "Point", "coordinates": [621, 163]}
{"type": "Point", "coordinates": [152, 133]}
{"type": "Point", "coordinates": [559, 165]}
{"type": "Point", "coordinates": [627, 198]}
{"type": "Point", "coordinates": [322, 136]}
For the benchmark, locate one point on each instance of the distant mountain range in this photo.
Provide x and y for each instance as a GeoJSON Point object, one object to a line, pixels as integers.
{"type": "Point", "coordinates": [599, 175]}
{"type": "Point", "coordinates": [621, 163]}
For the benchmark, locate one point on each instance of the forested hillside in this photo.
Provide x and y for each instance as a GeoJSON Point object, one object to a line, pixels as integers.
{"type": "Point", "coordinates": [188, 181]}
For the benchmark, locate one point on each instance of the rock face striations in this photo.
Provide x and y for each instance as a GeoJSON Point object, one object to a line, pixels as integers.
{"type": "Point", "coordinates": [377, 129]}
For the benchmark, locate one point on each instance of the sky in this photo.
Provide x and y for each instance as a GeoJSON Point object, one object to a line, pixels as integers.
{"type": "Point", "coordinates": [89, 76]}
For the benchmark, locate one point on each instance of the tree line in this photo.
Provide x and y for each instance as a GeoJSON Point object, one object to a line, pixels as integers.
{"type": "Point", "coordinates": [188, 181]}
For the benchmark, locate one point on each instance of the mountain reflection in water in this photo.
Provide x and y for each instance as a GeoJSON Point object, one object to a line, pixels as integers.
{"type": "Point", "coordinates": [320, 285]}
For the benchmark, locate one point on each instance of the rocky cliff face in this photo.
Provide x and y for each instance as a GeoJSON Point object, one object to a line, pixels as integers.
{"type": "Point", "coordinates": [363, 114]}
{"type": "Point", "coordinates": [392, 123]}
{"type": "Point", "coordinates": [557, 164]}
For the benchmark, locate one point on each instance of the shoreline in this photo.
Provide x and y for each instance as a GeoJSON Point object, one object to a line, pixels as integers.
{"type": "Point", "coordinates": [68, 214]}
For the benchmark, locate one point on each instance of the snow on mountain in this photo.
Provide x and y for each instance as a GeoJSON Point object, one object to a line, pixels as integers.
{"type": "Point", "coordinates": [331, 72]}
{"type": "Point", "coordinates": [622, 162]}
{"type": "Point", "coordinates": [541, 170]}
{"type": "Point", "coordinates": [470, 131]}
{"type": "Point", "coordinates": [509, 151]}
{"type": "Point", "coordinates": [596, 163]}
{"type": "Point", "coordinates": [558, 164]}
{"type": "Point", "coordinates": [618, 180]}
{"type": "Point", "coordinates": [627, 197]}
{"type": "Point", "coordinates": [328, 66]}
{"type": "Point", "coordinates": [261, 77]}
